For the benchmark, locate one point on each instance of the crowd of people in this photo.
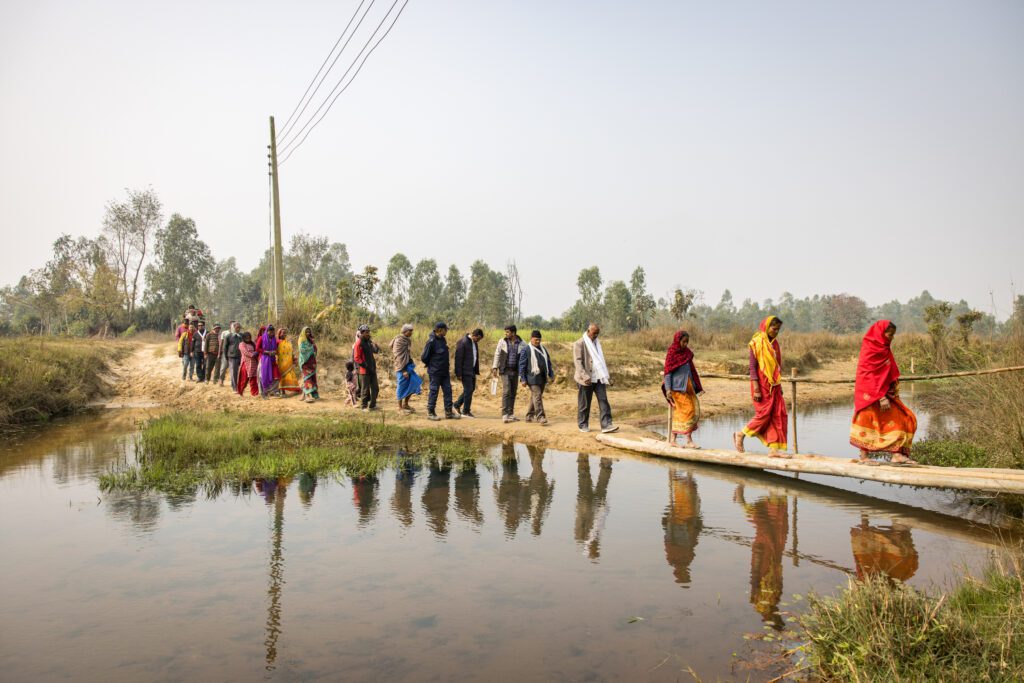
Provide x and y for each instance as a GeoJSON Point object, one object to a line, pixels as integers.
{"type": "Point", "coordinates": [270, 366]}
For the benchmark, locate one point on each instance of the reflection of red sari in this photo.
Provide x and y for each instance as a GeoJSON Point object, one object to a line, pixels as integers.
{"type": "Point", "coordinates": [884, 551]}
{"type": "Point", "coordinates": [771, 421]}
{"type": "Point", "coordinates": [771, 527]}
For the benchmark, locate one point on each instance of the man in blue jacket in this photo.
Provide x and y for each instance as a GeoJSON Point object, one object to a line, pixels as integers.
{"type": "Point", "coordinates": [535, 371]}
{"type": "Point", "coordinates": [436, 358]}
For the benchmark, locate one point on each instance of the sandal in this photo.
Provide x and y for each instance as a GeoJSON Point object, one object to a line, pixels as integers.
{"type": "Point", "coordinates": [869, 463]}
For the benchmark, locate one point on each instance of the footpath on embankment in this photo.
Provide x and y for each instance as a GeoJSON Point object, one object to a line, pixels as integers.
{"type": "Point", "coordinates": [151, 376]}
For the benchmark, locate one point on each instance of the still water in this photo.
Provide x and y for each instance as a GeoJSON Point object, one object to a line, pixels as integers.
{"type": "Point", "coordinates": [543, 565]}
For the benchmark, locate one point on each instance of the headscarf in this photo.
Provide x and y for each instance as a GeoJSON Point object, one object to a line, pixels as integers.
{"type": "Point", "coordinates": [282, 332]}
{"type": "Point", "coordinates": [765, 351]}
{"type": "Point", "coordinates": [876, 367]}
{"type": "Point", "coordinates": [307, 347]}
{"type": "Point", "coordinates": [269, 344]}
{"type": "Point", "coordinates": [677, 357]}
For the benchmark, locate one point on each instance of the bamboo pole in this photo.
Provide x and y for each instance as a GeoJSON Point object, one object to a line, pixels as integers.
{"type": "Point", "coordinates": [668, 436]}
{"type": "Point", "coordinates": [792, 384]}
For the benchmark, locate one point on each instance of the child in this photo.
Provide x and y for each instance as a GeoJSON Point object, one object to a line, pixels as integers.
{"type": "Point", "coordinates": [350, 383]}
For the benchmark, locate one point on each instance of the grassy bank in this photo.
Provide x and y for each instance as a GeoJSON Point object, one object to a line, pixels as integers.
{"type": "Point", "coordinates": [43, 377]}
{"type": "Point", "coordinates": [182, 453]}
{"type": "Point", "coordinates": [880, 629]}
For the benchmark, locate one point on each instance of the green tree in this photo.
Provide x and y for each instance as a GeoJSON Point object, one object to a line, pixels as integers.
{"type": "Point", "coordinates": [395, 288]}
{"type": "Point", "coordinates": [965, 325]}
{"type": "Point", "coordinates": [180, 272]}
{"type": "Point", "coordinates": [618, 306]}
{"type": "Point", "coordinates": [487, 302]}
{"type": "Point", "coordinates": [844, 313]}
{"type": "Point", "coordinates": [454, 296]}
{"type": "Point", "coordinates": [128, 229]}
{"type": "Point", "coordinates": [643, 303]}
{"type": "Point", "coordinates": [936, 317]}
{"type": "Point", "coordinates": [681, 303]}
{"type": "Point", "coordinates": [425, 290]}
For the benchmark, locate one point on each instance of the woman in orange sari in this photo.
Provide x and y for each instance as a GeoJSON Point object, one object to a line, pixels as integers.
{"type": "Point", "coordinates": [771, 421]}
{"type": "Point", "coordinates": [286, 364]}
{"type": "Point", "coordinates": [881, 422]}
{"type": "Point", "coordinates": [681, 387]}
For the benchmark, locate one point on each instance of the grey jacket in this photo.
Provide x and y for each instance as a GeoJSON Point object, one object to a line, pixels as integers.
{"type": "Point", "coordinates": [584, 363]}
{"type": "Point", "coordinates": [501, 355]}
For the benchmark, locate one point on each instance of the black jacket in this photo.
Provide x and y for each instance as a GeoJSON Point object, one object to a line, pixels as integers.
{"type": "Point", "coordinates": [464, 362]}
{"type": "Point", "coordinates": [435, 355]}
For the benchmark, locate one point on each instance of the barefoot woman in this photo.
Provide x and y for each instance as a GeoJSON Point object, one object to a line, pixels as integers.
{"type": "Point", "coordinates": [681, 387]}
{"type": "Point", "coordinates": [771, 422]}
{"type": "Point", "coordinates": [881, 423]}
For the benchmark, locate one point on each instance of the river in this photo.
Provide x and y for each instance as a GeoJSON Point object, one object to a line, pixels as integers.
{"type": "Point", "coordinates": [543, 565]}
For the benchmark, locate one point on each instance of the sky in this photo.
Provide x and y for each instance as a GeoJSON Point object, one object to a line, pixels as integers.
{"type": "Point", "coordinates": [874, 148]}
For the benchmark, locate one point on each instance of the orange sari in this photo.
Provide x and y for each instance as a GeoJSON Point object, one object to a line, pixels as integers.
{"type": "Point", "coordinates": [884, 431]}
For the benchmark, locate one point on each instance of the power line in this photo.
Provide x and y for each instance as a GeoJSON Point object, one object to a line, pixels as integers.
{"type": "Point", "coordinates": [336, 96]}
{"type": "Point", "coordinates": [286, 128]}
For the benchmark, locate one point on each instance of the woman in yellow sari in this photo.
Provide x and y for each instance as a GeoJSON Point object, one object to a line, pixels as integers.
{"type": "Point", "coordinates": [286, 364]}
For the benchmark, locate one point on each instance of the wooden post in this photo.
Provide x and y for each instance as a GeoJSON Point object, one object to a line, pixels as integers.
{"type": "Point", "coordinates": [668, 438]}
{"type": "Point", "coordinates": [792, 384]}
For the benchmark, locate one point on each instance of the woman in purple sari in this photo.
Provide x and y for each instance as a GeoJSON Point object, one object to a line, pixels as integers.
{"type": "Point", "coordinates": [269, 374]}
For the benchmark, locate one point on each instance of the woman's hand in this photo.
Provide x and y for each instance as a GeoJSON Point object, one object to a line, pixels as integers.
{"type": "Point", "coordinates": [884, 403]}
{"type": "Point", "coordinates": [700, 393]}
{"type": "Point", "coordinates": [757, 396]}
{"type": "Point", "coordinates": [405, 374]}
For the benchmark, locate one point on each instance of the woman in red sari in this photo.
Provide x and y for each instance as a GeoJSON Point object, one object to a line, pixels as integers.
{"type": "Point", "coordinates": [247, 374]}
{"type": "Point", "coordinates": [771, 421]}
{"type": "Point", "coordinates": [881, 422]}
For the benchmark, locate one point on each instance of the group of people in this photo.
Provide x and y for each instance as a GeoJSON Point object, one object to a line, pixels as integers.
{"type": "Point", "coordinates": [267, 365]}
{"type": "Point", "coordinates": [882, 423]}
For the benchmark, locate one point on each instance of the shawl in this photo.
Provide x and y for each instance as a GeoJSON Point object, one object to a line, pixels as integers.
{"type": "Point", "coordinates": [876, 367]}
{"type": "Point", "coordinates": [269, 343]}
{"type": "Point", "coordinates": [307, 347]}
{"type": "Point", "coordinates": [247, 368]}
{"type": "Point", "coordinates": [400, 351]}
{"type": "Point", "coordinates": [599, 369]}
{"type": "Point", "coordinates": [676, 357]}
{"type": "Point", "coordinates": [535, 367]}
{"type": "Point", "coordinates": [767, 352]}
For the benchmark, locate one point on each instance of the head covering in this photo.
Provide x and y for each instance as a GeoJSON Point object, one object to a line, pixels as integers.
{"type": "Point", "coordinates": [305, 333]}
{"type": "Point", "coordinates": [407, 327]}
{"type": "Point", "coordinates": [876, 367]}
{"type": "Point", "coordinates": [677, 357]}
{"type": "Point", "coordinates": [363, 328]}
{"type": "Point", "coordinates": [765, 352]}
{"type": "Point", "coordinates": [216, 326]}
{"type": "Point", "coordinates": [281, 332]}
{"type": "Point", "coordinates": [440, 325]}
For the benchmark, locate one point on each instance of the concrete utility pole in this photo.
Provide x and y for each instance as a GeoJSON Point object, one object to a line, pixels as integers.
{"type": "Point", "coordinates": [277, 303]}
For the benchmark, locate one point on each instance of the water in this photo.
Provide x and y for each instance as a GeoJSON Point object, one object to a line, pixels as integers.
{"type": "Point", "coordinates": [550, 566]}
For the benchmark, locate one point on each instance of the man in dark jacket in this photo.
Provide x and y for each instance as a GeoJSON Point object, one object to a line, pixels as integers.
{"type": "Point", "coordinates": [233, 354]}
{"type": "Point", "coordinates": [436, 358]}
{"type": "Point", "coordinates": [364, 357]}
{"type": "Point", "coordinates": [535, 371]}
{"type": "Point", "coordinates": [467, 367]}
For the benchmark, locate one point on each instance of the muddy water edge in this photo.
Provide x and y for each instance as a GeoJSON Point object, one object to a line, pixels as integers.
{"type": "Point", "coordinates": [536, 565]}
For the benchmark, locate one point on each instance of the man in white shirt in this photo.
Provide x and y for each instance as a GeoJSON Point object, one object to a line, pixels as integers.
{"type": "Point", "coordinates": [592, 377]}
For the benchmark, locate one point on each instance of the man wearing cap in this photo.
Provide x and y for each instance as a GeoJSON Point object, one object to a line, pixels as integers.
{"type": "Point", "coordinates": [506, 364]}
{"type": "Point", "coordinates": [535, 371]}
{"type": "Point", "coordinates": [436, 359]}
{"type": "Point", "coordinates": [467, 367]}
{"type": "Point", "coordinates": [363, 355]}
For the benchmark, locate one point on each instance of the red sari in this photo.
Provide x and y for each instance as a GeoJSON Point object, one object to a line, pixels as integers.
{"type": "Point", "coordinates": [771, 421]}
{"type": "Point", "coordinates": [873, 429]}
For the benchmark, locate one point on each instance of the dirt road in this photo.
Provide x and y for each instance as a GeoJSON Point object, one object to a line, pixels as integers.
{"type": "Point", "coordinates": [152, 375]}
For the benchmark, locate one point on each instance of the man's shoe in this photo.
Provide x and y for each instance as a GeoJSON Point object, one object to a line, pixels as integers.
{"type": "Point", "coordinates": [452, 416]}
{"type": "Point", "coordinates": [543, 420]}
{"type": "Point", "coordinates": [469, 415]}
{"type": "Point", "coordinates": [504, 418]}
{"type": "Point", "coordinates": [433, 417]}
{"type": "Point", "coordinates": [609, 429]}
{"type": "Point", "coordinates": [513, 418]}
{"type": "Point", "coordinates": [529, 419]}
{"type": "Point", "coordinates": [585, 428]}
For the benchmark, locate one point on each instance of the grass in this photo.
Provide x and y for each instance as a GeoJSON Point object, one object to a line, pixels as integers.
{"type": "Point", "coordinates": [44, 377]}
{"type": "Point", "coordinates": [879, 629]}
{"type": "Point", "coordinates": [183, 452]}
{"type": "Point", "coordinates": [950, 452]}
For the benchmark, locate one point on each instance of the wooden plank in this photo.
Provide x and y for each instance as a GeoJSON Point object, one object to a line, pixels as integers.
{"type": "Point", "coordinates": [922, 475]}
{"type": "Point", "coordinates": [851, 380]}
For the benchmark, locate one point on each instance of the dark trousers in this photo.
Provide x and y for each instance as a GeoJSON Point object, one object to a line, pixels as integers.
{"type": "Point", "coordinates": [233, 366]}
{"type": "Point", "coordinates": [444, 383]}
{"type": "Point", "coordinates": [368, 390]}
{"type": "Point", "coordinates": [464, 403]}
{"type": "Point", "coordinates": [211, 366]}
{"type": "Point", "coordinates": [509, 387]}
{"type": "Point", "coordinates": [200, 367]}
{"type": "Point", "coordinates": [586, 396]}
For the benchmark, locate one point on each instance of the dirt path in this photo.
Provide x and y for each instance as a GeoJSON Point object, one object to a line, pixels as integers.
{"type": "Point", "coordinates": [151, 375]}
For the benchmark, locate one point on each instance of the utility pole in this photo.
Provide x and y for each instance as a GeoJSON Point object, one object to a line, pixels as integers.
{"type": "Point", "coordinates": [277, 305]}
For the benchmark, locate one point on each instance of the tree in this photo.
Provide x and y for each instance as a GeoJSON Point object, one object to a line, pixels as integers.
{"type": "Point", "coordinates": [515, 291]}
{"type": "Point", "coordinates": [681, 302]}
{"type": "Point", "coordinates": [936, 316]}
{"type": "Point", "coordinates": [487, 301]}
{"type": "Point", "coordinates": [965, 324]}
{"type": "Point", "coordinates": [454, 295]}
{"type": "Point", "coordinates": [618, 306]}
{"type": "Point", "coordinates": [365, 283]}
{"type": "Point", "coordinates": [643, 303]}
{"type": "Point", "coordinates": [314, 265]}
{"type": "Point", "coordinates": [844, 313]}
{"type": "Point", "coordinates": [425, 290]}
{"type": "Point", "coordinates": [395, 287]}
{"type": "Point", "coordinates": [128, 228]}
{"type": "Point", "coordinates": [182, 266]}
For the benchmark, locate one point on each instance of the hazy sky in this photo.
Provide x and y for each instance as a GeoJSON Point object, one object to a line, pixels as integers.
{"type": "Point", "coordinates": [875, 148]}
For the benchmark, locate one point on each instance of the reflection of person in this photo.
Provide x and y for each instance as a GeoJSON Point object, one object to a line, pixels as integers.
{"type": "Point", "coordinates": [435, 497]}
{"type": "Point", "coordinates": [405, 478]}
{"type": "Point", "coordinates": [467, 494]}
{"type": "Point", "coordinates": [771, 422]}
{"type": "Point", "coordinates": [881, 422]}
{"type": "Point", "coordinates": [886, 551]}
{"type": "Point", "coordinates": [770, 517]}
{"type": "Point", "coordinates": [364, 495]}
{"type": "Point", "coordinates": [542, 491]}
{"type": "Point", "coordinates": [307, 487]}
{"type": "Point", "coordinates": [510, 495]}
{"type": "Point", "coordinates": [591, 504]}
{"type": "Point", "coordinates": [682, 523]}
{"type": "Point", "coordinates": [681, 386]}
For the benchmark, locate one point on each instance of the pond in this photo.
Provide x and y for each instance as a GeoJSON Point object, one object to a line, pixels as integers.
{"type": "Point", "coordinates": [543, 565]}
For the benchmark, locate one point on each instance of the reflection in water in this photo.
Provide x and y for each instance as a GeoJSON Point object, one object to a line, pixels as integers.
{"type": "Point", "coordinates": [467, 495]}
{"type": "Point", "coordinates": [307, 487]}
{"type": "Point", "coordinates": [405, 478]}
{"type": "Point", "coordinates": [435, 497]}
{"type": "Point", "coordinates": [520, 501]}
{"type": "Point", "coordinates": [542, 491]}
{"type": "Point", "coordinates": [888, 551]}
{"type": "Point", "coordinates": [591, 505]}
{"type": "Point", "coordinates": [139, 508]}
{"type": "Point", "coordinates": [274, 491]}
{"type": "Point", "coordinates": [682, 523]}
{"type": "Point", "coordinates": [364, 497]}
{"type": "Point", "coordinates": [770, 517]}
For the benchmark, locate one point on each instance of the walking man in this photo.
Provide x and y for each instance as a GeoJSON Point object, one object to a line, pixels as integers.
{"type": "Point", "coordinates": [232, 353]}
{"type": "Point", "coordinates": [222, 359]}
{"type": "Point", "coordinates": [592, 377]}
{"type": "Point", "coordinates": [200, 351]}
{"type": "Point", "coordinates": [363, 355]}
{"type": "Point", "coordinates": [212, 353]}
{"type": "Point", "coordinates": [506, 364]}
{"type": "Point", "coordinates": [185, 345]}
{"type": "Point", "coordinates": [436, 358]}
{"type": "Point", "coordinates": [535, 371]}
{"type": "Point", "coordinates": [467, 367]}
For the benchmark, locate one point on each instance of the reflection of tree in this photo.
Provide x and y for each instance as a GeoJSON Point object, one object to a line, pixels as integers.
{"type": "Point", "coordinates": [542, 491]}
{"type": "Point", "coordinates": [770, 517]}
{"type": "Point", "coordinates": [591, 504]}
{"type": "Point", "coordinates": [886, 551]}
{"type": "Point", "coordinates": [435, 497]}
{"type": "Point", "coordinates": [142, 510]}
{"type": "Point", "coordinates": [682, 524]}
{"type": "Point", "coordinates": [307, 487]}
{"type": "Point", "coordinates": [401, 500]}
{"type": "Point", "coordinates": [364, 496]}
{"type": "Point", "coordinates": [467, 494]}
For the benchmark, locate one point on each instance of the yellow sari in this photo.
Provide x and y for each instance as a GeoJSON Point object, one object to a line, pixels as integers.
{"type": "Point", "coordinates": [286, 365]}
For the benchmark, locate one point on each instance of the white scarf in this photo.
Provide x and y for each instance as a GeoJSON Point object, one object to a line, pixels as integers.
{"type": "Point", "coordinates": [599, 371]}
{"type": "Point", "coordinates": [535, 368]}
